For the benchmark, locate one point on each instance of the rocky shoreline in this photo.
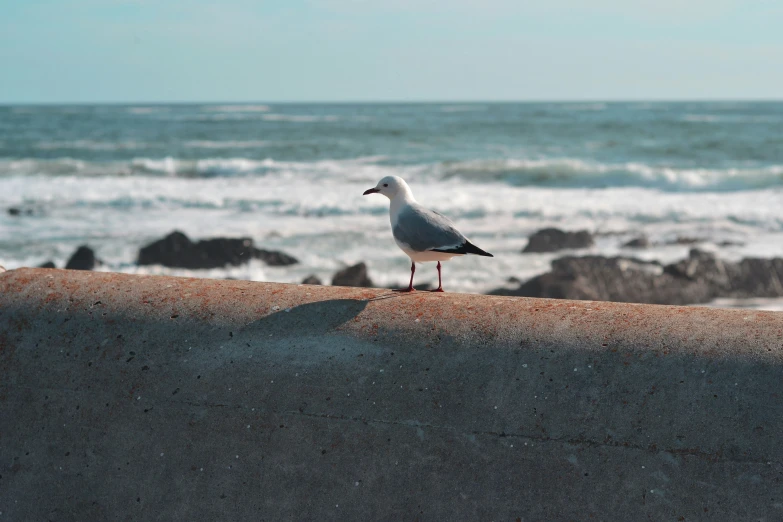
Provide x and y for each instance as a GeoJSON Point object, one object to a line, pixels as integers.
{"type": "Point", "coordinates": [700, 278]}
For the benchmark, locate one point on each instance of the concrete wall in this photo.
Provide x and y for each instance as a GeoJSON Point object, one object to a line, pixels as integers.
{"type": "Point", "coordinates": [155, 398]}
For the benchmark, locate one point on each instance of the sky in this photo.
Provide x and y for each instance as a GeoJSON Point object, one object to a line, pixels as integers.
{"type": "Point", "coordinates": [92, 51]}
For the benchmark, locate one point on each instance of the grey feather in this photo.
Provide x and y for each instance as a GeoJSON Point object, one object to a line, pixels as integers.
{"type": "Point", "coordinates": [423, 229]}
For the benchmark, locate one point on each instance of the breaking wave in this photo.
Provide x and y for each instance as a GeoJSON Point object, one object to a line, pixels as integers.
{"type": "Point", "coordinates": [576, 173]}
{"type": "Point", "coordinates": [550, 173]}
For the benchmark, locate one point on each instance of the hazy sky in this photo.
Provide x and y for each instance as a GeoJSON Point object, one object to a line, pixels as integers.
{"type": "Point", "coordinates": [355, 50]}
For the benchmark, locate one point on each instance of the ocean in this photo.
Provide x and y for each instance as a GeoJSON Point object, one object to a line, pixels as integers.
{"type": "Point", "coordinates": [291, 176]}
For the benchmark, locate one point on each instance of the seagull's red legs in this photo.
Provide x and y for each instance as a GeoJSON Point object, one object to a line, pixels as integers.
{"type": "Point", "coordinates": [440, 284]}
{"type": "Point", "coordinates": [410, 285]}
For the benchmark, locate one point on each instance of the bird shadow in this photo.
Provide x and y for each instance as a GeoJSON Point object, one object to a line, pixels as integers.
{"type": "Point", "coordinates": [303, 336]}
{"type": "Point", "coordinates": [316, 318]}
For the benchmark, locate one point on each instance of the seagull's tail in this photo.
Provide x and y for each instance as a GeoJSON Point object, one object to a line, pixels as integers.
{"type": "Point", "coordinates": [470, 248]}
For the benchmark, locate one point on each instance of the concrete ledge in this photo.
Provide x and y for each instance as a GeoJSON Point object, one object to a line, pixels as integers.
{"type": "Point", "coordinates": [155, 398]}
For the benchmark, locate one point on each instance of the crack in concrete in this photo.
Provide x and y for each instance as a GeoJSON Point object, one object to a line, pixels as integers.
{"type": "Point", "coordinates": [684, 452]}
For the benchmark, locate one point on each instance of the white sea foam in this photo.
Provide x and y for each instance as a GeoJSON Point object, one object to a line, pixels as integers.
{"type": "Point", "coordinates": [770, 304]}
{"type": "Point", "coordinates": [28, 166]}
{"type": "Point", "coordinates": [265, 116]}
{"type": "Point", "coordinates": [147, 110]}
{"type": "Point", "coordinates": [216, 116]}
{"type": "Point", "coordinates": [244, 144]}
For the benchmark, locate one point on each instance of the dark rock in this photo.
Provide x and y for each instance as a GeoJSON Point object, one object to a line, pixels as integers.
{"type": "Point", "coordinates": [638, 242]}
{"type": "Point", "coordinates": [48, 264]}
{"type": "Point", "coordinates": [554, 239]}
{"type": "Point", "coordinates": [172, 250]}
{"type": "Point", "coordinates": [177, 250]}
{"type": "Point", "coordinates": [82, 259]}
{"type": "Point", "coordinates": [355, 275]}
{"type": "Point", "coordinates": [623, 279]}
{"type": "Point", "coordinates": [274, 258]}
{"type": "Point", "coordinates": [700, 278]}
{"type": "Point", "coordinates": [684, 240]}
{"type": "Point", "coordinates": [699, 264]}
{"type": "Point", "coordinates": [219, 252]}
{"type": "Point", "coordinates": [601, 278]}
{"type": "Point", "coordinates": [754, 277]}
{"type": "Point", "coordinates": [16, 211]}
{"type": "Point", "coordinates": [311, 280]}
{"type": "Point", "coordinates": [751, 277]}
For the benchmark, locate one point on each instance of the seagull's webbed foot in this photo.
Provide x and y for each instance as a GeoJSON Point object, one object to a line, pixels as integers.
{"type": "Point", "coordinates": [409, 289]}
{"type": "Point", "coordinates": [441, 290]}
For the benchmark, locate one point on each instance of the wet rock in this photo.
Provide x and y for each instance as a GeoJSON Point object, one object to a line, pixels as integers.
{"type": "Point", "coordinates": [173, 250]}
{"type": "Point", "coordinates": [48, 264]}
{"type": "Point", "coordinates": [274, 258]}
{"type": "Point", "coordinates": [638, 242]}
{"type": "Point", "coordinates": [82, 259]}
{"type": "Point", "coordinates": [751, 277]}
{"type": "Point", "coordinates": [684, 240]}
{"type": "Point", "coordinates": [218, 252]}
{"type": "Point", "coordinates": [176, 250]}
{"type": "Point", "coordinates": [700, 278]}
{"type": "Point", "coordinates": [554, 239]}
{"type": "Point", "coordinates": [599, 278]}
{"type": "Point", "coordinates": [754, 277]}
{"type": "Point", "coordinates": [17, 211]}
{"type": "Point", "coordinates": [20, 211]}
{"type": "Point", "coordinates": [355, 275]}
{"type": "Point", "coordinates": [311, 280]}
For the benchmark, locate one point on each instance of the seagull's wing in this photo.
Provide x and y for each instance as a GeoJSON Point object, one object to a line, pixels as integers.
{"type": "Point", "coordinates": [422, 229]}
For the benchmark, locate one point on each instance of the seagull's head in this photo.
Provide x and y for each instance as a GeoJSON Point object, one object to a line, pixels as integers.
{"type": "Point", "coordinates": [390, 186]}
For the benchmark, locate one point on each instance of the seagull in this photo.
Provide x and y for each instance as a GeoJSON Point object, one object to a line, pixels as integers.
{"type": "Point", "coordinates": [423, 234]}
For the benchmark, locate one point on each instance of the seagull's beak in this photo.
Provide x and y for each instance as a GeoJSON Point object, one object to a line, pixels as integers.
{"type": "Point", "coordinates": [371, 191]}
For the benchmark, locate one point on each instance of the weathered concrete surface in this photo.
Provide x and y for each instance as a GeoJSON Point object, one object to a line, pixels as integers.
{"type": "Point", "coordinates": [154, 398]}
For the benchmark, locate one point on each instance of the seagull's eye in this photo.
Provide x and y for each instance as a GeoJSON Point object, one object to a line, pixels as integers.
{"type": "Point", "coordinates": [385, 184]}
